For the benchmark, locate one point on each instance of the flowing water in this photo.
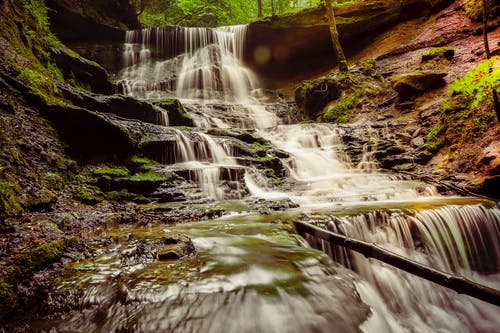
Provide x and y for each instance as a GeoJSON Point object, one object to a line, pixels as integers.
{"type": "Point", "coordinates": [255, 276]}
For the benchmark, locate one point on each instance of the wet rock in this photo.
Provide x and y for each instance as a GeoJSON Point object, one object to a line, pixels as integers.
{"type": "Point", "coordinates": [176, 247]}
{"type": "Point", "coordinates": [415, 83]}
{"type": "Point", "coordinates": [119, 105]}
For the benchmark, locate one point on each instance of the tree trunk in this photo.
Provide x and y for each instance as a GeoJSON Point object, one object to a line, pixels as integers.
{"type": "Point", "coordinates": [259, 8]}
{"type": "Point", "coordinates": [272, 8]}
{"type": "Point", "coordinates": [457, 283]}
{"type": "Point", "coordinates": [485, 29]}
{"type": "Point", "coordinates": [335, 36]}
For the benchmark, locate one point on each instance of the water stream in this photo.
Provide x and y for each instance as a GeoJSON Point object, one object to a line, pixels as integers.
{"type": "Point", "coordinates": [253, 274]}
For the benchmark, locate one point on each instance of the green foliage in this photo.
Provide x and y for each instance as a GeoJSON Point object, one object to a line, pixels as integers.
{"type": "Point", "coordinates": [121, 195]}
{"type": "Point", "coordinates": [469, 111]}
{"type": "Point", "coordinates": [441, 42]}
{"type": "Point", "coordinates": [434, 139]}
{"type": "Point", "coordinates": [9, 204]}
{"type": "Point", "coordinates": [27, 264]}
{"type": "Point", "coordinates": [211, 13]}
{"type": "Point", "coordinates": [40, 84]}
{"type": "Point", "coordinates": [478, 83]}
{"type": "Point", "coordinates": [37, 29]}
{"type": "Point", "coordinates": [340, 112]}
{"type": "Point", "coordinates": [474, 8]}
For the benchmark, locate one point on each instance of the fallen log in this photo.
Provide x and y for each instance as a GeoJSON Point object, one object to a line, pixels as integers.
{"type": "Point", "coordinates": [457, 283]}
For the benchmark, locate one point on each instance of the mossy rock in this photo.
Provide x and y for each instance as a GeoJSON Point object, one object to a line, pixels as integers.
{"type": "Point", "coordinates": [446, 52]}
{"type": "Point", "coordinates": [83, 72]}
{"type": "Point", "coordinates": [176, 247]}
{"type": "Point", "coordinates": [416, 83]}
{"type": "Point", "coordinates": [312, 96]}
{"type": "Point", "coordinates": [112, 172]}
{"type": "Point", "coordinates": [88, 194]}
{"type": "Point", "coordinates": [177, 116]}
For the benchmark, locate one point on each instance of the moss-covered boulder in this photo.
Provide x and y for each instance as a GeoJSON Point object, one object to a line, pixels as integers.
{"type": "Point", "coordinates": [443, 52]}
{"type": "Point", "coordinates": [177, 116]}
{"type": "Point", "coordinates": [82, 72]}
{"type": "Point", "coordinates": [416, 83]}
{"type": "Point", "coordinates": [312, 96]}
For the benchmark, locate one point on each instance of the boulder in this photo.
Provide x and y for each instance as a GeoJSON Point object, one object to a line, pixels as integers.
{"type": "Point", "coordinates": [82, 71]}
{"type": "Point", "coordinates": [416, 83]}
{"type": "Point", "coordinates": [176, 247]}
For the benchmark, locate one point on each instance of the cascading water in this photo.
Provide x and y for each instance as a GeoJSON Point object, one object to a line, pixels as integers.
{"type": "Point", "coordinates": [204, 68]}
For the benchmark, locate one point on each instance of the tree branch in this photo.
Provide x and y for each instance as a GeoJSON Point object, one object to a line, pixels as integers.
{"type": "Point", "coordinates": [456, 283]}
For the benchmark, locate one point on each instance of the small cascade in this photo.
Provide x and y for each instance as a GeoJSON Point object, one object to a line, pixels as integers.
{"type": "Point", "coordinates": [323, 172]}
{"type": "Point", "coordinates": [461, 240]}
{"type": "Point", "coordinates": [199, 158]}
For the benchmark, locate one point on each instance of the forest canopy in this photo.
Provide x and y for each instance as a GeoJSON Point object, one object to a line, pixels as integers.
{"type": "Point", "coordinates": [212, 13]}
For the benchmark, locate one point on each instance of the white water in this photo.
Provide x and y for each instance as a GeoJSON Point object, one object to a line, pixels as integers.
{"type": "Point", "coordinates": [206, 72]}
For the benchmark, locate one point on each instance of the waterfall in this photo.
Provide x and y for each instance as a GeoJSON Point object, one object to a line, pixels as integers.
{"type": "Point", "coordinates": [199, 65]}
{"type": "Point", "coordinates": [204, 67]}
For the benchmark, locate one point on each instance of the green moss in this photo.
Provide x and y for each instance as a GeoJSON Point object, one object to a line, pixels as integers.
{"type": "Point", "coordinates": [146, 176]}
{"type": "Point", "coordinates": [111, 172]}
{"type": "Point", "coordinates": [260, 146]}
{"type": "Point", "coordinates": [441, 42]}
{"type": "Point", "coordinates": [434, 139]}
{"type": "Point", "coordinates": [174, 103]}
{"type": "Point", "coordinates": [87, 194]}
{"type": "Point", "coordinates": [478, 83]}
{"type": "Point", "coordinates": [446, 52]}
{"type": "Point", "coordinates": [340, 112]}
{"type": "Point", "coordinates": [27, 264]}
{"type": "Point", "coordinates": [9, 204]}
{"type": "Point", "coordinates": [7, 296]}
{"type": "Point", "coordinates": [122, 195]}
{"type": "Point", "coordinates": [143, 163]}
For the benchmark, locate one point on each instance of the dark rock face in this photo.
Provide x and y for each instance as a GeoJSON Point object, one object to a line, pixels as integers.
{"type": "Point", "coordinates": [93, 28]}
{"type": "Point", "coordinates": [292, 45]}
{"type": "Point", "coordinates": [84, 71]}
